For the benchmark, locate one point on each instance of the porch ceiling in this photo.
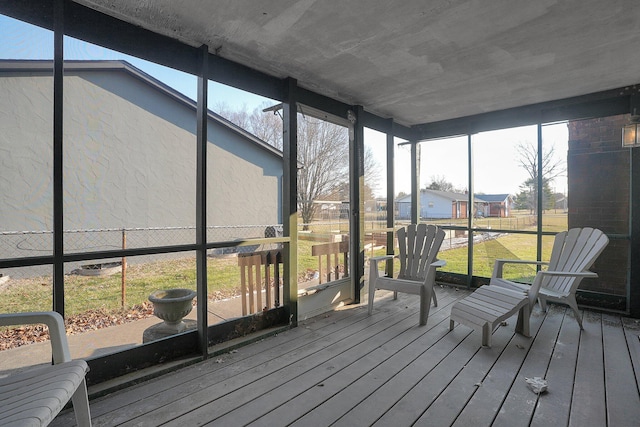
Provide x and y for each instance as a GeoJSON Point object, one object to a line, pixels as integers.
{"type": "Point", "coordinates": [414, 60]}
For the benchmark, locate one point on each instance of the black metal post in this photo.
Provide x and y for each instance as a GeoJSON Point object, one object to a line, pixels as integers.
{"type": "Point", "coordinates": [415, 182]}
{"type": "Point", "coordinates": [58, 154]}
{"type": "Point", "coordinates": [470, 212]}
{"type": "Point", "coordinates": [540, 199]}
{"type": "Point", "coordinates": [634, 274]}
{"type": "Point", "coordinates": [201, 203]}
{"type": "Point", "coordinates": [633, 291]}
{"type": "Point", "coordinates": [356, 178]}
{"type": "Point", "coordinates": [390, 194]}
{"type": "Point", "coordinates": [290, 200]}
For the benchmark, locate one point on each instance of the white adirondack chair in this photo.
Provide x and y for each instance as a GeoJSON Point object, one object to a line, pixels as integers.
{"type": "Point", "coordinates": [35, 396]}
{"type": "Point", "coordinates": [573, 253]}
{"type": "Point", "coordinates": [418, 249]}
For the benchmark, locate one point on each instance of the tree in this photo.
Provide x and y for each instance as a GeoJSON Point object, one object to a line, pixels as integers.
{"type": "Point", "coordinates": [440, 183]}
{"type": "Point", "coordinates": [551, 169]}
{"type": "Point", "coordinates": [265, 125]}
{"type": "Point", "coordinates": [527, 198]}
{"type": "Point", "coordinates": [323, 152]}
{"type": "Point", "coordinates": [523, 199]}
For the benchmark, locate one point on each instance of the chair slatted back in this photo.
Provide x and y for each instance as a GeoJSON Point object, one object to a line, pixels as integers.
{"type": "Point", "coordinates": [418, 247]}
{"type": "Point", "coordinates": [574, 251]}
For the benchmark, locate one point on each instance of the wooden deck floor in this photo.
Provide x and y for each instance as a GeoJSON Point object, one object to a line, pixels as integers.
{"type": "Point", "coordinates": [348, 369]}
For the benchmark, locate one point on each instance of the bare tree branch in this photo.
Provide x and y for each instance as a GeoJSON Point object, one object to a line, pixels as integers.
{"type": "Point", "coordinates": [551, 169]}
{"type": "Point", "coordinates": [323, 151]}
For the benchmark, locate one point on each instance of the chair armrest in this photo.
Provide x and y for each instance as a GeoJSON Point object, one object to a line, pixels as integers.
{"type": "Point", "coordinates": [57, 331]}
{"type": "Point", "coordinates": [439, 263]}
{"type": "Point", "coordinates": [376, 259]}
{"type": "Point", "coordinates": [374, 272]}
{"type": "Point", "coordinates": [499, 264]}
{"type": "Point", "coordinates": [537, 282]}
{"type": "Point", "coordinates": [583, 274]}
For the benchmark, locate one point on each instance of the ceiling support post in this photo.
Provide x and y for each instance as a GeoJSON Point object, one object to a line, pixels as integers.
{"type": "Point", "coordinates": [58, 155]}
{"type": "Point", "coordinates": [290, 200]}
{"type": "Point", "coordinates": [415, 182]}
{"type": "Point", "coordinates": [356, 188]}
{"type": "Point", "coordinates": [201, 203]}
{"type": "Point", "coordinates": [390, 194]}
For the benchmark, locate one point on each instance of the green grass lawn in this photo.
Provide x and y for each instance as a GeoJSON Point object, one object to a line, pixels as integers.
{"type": "Point", "coordinates": [105, 292]}
{"type": "Point", "coordinates": [511, 246]}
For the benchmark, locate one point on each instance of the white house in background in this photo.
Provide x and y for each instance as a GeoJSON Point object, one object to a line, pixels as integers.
{"type": "Point", "coordinates": [435, 204]}
{"type": "Point", "coordinates": [493, 205]}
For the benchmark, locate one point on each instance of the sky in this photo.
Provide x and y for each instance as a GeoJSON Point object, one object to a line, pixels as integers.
{"type": "Point", "coordinates": [496, 161]}
{"type": "Point", "coordinates": [19, 40]}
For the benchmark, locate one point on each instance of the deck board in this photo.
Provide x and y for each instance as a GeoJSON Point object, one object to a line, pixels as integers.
{"type": "Point", "coordinates": [139, 400]}
{"type": "Point", "coordinates": [428, 387]}
{"type": "Point", "coordinates": [486, 401]}
{"type": "Point", "coordinates": [631, 328]}
{"type": "Point", "coordinates": [588, 402]}
{"type": "Point", "coordinates": [285, 363]}
{"type": "Point", "coordinates": [622, 402]}
{"type": "Point", "coordinates": [553, 409]}
{"type": "Point", "coordinates": [338, 393]}
{"type": "Point", "coordinates": [346, 368]}
{"type": "Point", "coordinates": [518, 406]}
{"type": "Point", "coordinates": [383, 398]}
{"type": "Point", "coordinates": [476, 381]}
{"type": "Point", "coordinates": [338, 372]}
{"type": "Point", "coordinates": [445, 409]}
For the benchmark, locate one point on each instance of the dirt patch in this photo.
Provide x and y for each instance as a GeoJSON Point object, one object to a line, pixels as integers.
{"type": "Point", "coordinates": [87, 321]}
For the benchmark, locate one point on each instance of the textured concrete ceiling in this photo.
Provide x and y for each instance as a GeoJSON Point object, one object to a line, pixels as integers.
{"type": "Point", "coordinates": [417, 61]}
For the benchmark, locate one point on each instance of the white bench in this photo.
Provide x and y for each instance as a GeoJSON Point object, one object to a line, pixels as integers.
{"type": "Point", "coordinates": [34, 397]}
{"type": "Point", "coordinates": [487, 307]}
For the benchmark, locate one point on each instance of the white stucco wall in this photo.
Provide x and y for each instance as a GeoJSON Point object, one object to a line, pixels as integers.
{"type": "Point", "coordinates": [244, 186]}
{"type": "Point", "coordinates": [129, 158]}
{"type": "Point", "coordinates": [126, 166]}
{"type": "Point", "coordinates": [26, 159]}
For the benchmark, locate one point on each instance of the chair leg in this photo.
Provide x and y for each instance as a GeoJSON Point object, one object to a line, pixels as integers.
{"type": "Point", "coordinates": [522, 325]}
{"type": "Point", "coordinates": [373, 275]}
{"type": "Point", "coordinates": [425, 304]}
{"type": "Point", "coordinates": [571, 301]}
{"type": "Point", "coordinates": [486, 335]}
{"type": "Point", "coordinates": [80, 401]}
{"type": "Point", "coordinates": [372, 293]}
{"type": "Point", "coordinates": [543, 303]}
{"type": "Point", "coordinates": [433, 296]}
{"type": "Point", "coordinates": [395, 294]}
{"type": "Point", "coordinates": [451, 324]}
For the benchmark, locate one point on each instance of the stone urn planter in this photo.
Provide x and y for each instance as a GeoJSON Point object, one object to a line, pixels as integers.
{"type": "Point", "coordinates": [172, 305]}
